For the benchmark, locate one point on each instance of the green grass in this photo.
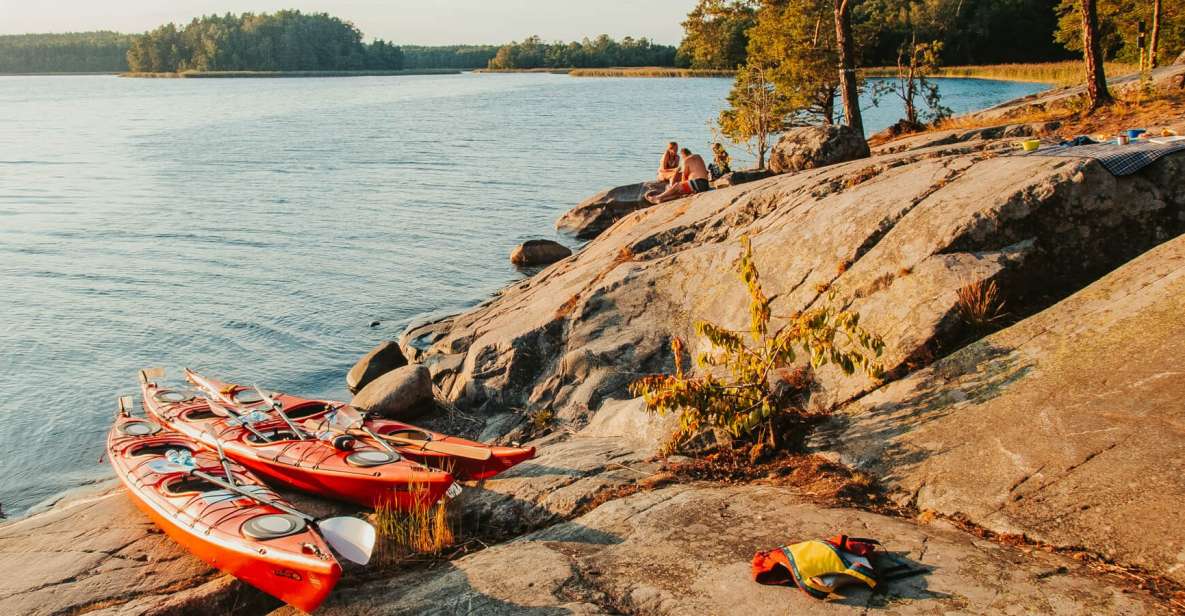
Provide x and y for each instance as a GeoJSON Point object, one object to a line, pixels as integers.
{"type": "Point", "coordinates": [258, 74]}
{"type": "Point", "coordinates": [1055, 73]}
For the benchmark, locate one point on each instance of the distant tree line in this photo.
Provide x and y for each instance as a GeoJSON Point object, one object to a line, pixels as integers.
{"type": "Point", "coordinates": [448, 56]}
{"type": "Point", "coordinates": [717, 32]}
{"type": "Point", "coordinates": [75, 52]}
{"type": "Point", "coordinates": [600, 52]}
{"type": "Point", "coordinates": [281, 41]}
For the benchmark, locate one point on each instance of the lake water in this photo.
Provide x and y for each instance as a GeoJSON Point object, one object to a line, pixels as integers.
{"type": "Point", "coordinates": [253, 229]}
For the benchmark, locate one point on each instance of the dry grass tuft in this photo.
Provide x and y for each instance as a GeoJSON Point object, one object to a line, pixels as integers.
{"type": "Point", "coordinates": [979, 304]}
{"type": "Point", "coordinates": [406, 534]}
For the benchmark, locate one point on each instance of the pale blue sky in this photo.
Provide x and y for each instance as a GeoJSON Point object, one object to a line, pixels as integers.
{"type": "Point", "coordinates": [429, 22]}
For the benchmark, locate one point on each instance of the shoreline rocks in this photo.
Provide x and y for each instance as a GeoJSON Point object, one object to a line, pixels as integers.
{"type": "Point", "coordinates": [402, 393]}
{"type": "Point", "coordinates": [382, 359]}
{"type": "Point", "coordinates": [597, 213]}
{"type": "Point", "coordinates": [539, 252]}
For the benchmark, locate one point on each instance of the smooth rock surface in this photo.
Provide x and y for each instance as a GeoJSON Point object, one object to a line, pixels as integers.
{"type": "Point", "coordinates": [399, 394]}
{"type": "Point", "coordinates": [380, 360]}
{"type": "Point", "coordinates": [898, 234]}
{"type": "Point", "coordinates": [539, 252]}
{"type": "Point", "coordinates": [810, 147]}
{"type": "Point", "coordinates": [686, 550]}
{"type": "Point", "coordinates": [600, 211]}
{"type": "Point", "coordinates": [1068, 426]}
{"type": "Point", "coordinates": [744, 176]}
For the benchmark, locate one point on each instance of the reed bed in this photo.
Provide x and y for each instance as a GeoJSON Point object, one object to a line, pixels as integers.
{"type": "Point", "coordinates": [1066, 73]}
{"type": "Point", "coordinates": [649, 71]}
{"type": "Point", "coordinates": [422, 530]}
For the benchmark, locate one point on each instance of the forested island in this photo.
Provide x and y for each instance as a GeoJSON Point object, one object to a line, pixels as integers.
{"type": "Point", "coordinates": [281, 41]}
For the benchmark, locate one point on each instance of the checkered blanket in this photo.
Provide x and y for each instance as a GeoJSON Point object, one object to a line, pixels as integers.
{"type": "Point", "coordinates": [1118, 159]}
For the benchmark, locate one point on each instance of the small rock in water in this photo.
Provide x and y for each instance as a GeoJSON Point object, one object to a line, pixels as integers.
{"type": "Point", "coordinates": [374, 323]}
{"type": "Point", "coordinates": [539, 252]}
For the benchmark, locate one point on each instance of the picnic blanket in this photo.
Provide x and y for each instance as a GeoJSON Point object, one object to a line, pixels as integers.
{"type": "Point", "coordinates": [1118, 159]}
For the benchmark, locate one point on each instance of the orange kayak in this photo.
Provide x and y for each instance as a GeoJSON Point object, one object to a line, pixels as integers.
{"type": "Point", "coordinates": [259, 544]}
{"type": "Point", "coordinates": [476, 460]}
{"type": "Point", "coordinates": [368, 476]}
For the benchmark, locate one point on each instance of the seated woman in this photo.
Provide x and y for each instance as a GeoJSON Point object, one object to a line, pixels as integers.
{"type": "Point", "coordinates": [668, 169]}
{"type": "Point", "coordinates": [721, 162]}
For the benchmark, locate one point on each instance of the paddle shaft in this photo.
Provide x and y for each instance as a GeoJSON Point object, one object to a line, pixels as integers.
{"type": "Point", "coordinates": [279, 409]}
{"type": "Point", "coordinates": [452, 449]}
{"type": "Point", "coordinates": [242, 422]}
{"type": "Point", "coordinates": [255, 497]}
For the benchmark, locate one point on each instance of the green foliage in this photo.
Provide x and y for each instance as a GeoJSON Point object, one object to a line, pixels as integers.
{"type": "Point", "coordinates": [916, 63]}
{"type": "Point", "coordinates": [716, 34]}
{"type": "Point", "coordinates": [600, 52]}
{"type": "Point", "coordinates": [1119, 28]}
{"type": "Point", "coordinates": [797, 39]}
{"type": "Point", "coordinates": [756, 112]}
{"type": "Point", "coordinates": [448, 56]}
{"type": "Point", "coordinates": [760, 385]}
{"type": "Point", "coordinates": [76, 52]}
{"type": "Point", "coordinates": [971, 31]}
{"type": "Point", "coordinates": [282, 41]}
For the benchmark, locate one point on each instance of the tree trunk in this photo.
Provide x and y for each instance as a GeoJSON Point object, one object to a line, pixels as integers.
{"type": "Point", "coordinates": [847, 70]}
{"type": "Point", "coordinates": [1096, 80]}
{"type": "Point", "coordinates": [1152, 44]}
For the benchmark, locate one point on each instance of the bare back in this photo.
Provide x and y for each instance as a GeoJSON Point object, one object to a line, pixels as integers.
{"type": "Point", "coordinates": [694, 168]}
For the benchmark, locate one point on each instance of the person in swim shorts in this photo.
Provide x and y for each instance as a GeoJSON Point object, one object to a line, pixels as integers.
{"type": "Point", "coordinates": [695, 180]}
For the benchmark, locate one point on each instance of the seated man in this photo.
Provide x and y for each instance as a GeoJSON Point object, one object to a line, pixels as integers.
{"type": "Point", "coordinates": [668, 169]}
{"type": "Point", "coordinates": [695, 180]}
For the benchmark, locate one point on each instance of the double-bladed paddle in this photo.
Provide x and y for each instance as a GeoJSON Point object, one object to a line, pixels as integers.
{"type": "Point", "coordinates": [350, 537]}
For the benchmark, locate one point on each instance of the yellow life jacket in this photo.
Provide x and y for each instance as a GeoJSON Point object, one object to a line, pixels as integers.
{"type": "Point", "coordinates": [817, 567]}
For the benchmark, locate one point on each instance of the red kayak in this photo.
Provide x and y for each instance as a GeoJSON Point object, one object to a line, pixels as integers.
{"type": "Point", "coordinates": [366, 475]}
{"type": "Point", "coordinates": [261, 545]}
{"type": "Point", "coordinates": [465, 459]}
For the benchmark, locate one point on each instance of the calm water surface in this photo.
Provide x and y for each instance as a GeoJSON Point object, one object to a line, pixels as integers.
{"type": "Point", "coordinates": [254, 228]}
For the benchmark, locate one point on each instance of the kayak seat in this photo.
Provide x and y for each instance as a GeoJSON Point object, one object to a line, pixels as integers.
{"type": "Point", "coordinates": [272, 435]}
{"type": "Point", "coordinates": [200, 414]}
{"type": "Point", "coordinates": [157, 450]}
{"type": "Point", "coordinates": [190, 485]}
{"type": "Point", "coordinates": [305, 410]}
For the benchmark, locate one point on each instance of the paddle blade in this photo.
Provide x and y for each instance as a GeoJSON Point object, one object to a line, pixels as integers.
{"type": "Point", "coordinates": [351, 538]}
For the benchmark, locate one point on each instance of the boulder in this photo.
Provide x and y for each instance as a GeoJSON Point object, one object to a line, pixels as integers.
{"type": "Point", "coordinates": [1067, 426]}
{"type": "Point", "coordinates": [539, 252]}
{"type": "Point", "coordinates": [810, 147]}
{"type": "Point", "coordinates": [380, 360]}
{"type": "Point", "coordinates": [399, 394]}
{"type": "Point", "coordinates": [741, 177]}
{"type": "Point", "coordinates": [600, 211]}
{"type": "Point", "coordinates": [686, 550]}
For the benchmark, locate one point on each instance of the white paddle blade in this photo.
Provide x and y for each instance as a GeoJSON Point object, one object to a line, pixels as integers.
{"type": "Point", "coordinates": [351, 538]}
{"type": "Point", "coordinates": [148, 375]}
